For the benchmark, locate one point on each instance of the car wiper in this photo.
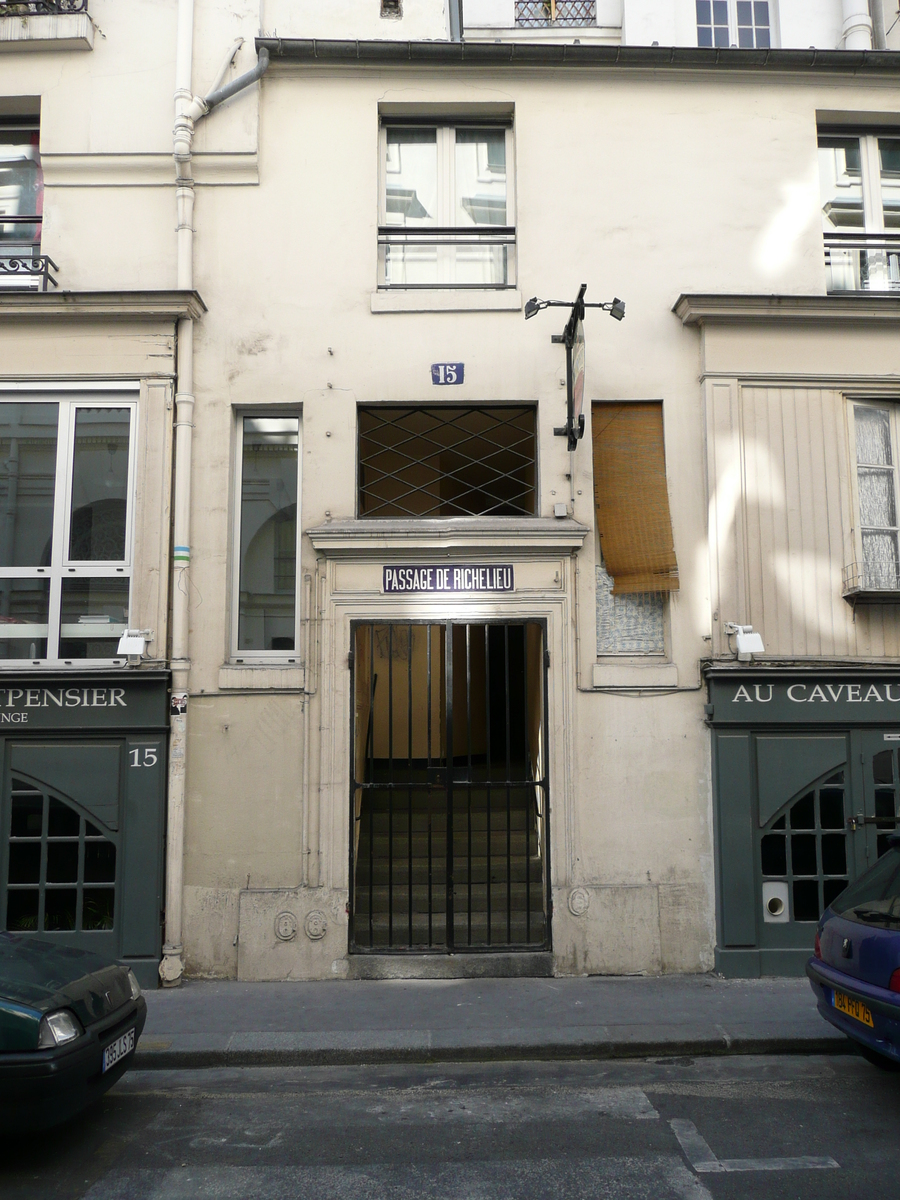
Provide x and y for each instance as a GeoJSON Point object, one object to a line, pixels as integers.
{"type": "Point", "coordinates": [875, 914]}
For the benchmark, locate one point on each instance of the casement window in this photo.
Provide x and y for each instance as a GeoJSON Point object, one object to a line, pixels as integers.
{"type": "Point", "coordinates": [562, 14]}
{"type": "Point", "coordinates": [859, 179]}
{"type": "Point", "coordinates": [874, 441]}
{"type": "Point", "coordinates": [266, 612]}
{"type": "Point", "coordinates": [21, 201]}
{"type": "Point", "coordinates": [447, 213]}
{"type": "Point", "coordinates": [66, 487]}
{"type": "Point", "coordinates": [742, 23]}
{"type": "Point", "coordinates": [447, 460]}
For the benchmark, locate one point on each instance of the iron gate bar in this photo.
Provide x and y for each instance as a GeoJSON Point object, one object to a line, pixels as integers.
{"type": "Point", "coordinates": [391, 780]}
{"type": "Point", "coordinates": [489, 780]}
{"type": "Point", "coordinates": [428, 632]}
{"type": "Point", "coordinates": [448, 693]}
{"type": "Point", "coordinates": [508, 807]}
{"type": "Point", "coordinates": [409, 738]}
{"type": "Point", "coordinates": [468, 629]}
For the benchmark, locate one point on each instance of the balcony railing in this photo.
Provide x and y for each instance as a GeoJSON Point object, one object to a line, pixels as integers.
{"type": "Point", "coordinates": [878, 581]}
{"type": "Point", "coordinates": [435, 257]}
{"type": "Point", "coordinates": [41, 8]}
{"type": "Point", "coordinates": [556, 14]}
{"type": "Point", "coordinates": [862, 262]}
{"type": "Point", "coordinates": [26, 272]}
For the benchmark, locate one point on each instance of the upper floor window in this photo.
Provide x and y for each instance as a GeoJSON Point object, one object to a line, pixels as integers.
{"type": "Point", "coordinates": [265, 585]}
{"type": "Point", "coordinates": [447, 461]}
{"type": "Point", "coordinates": [565, 14]}
{"type": "Point", "coordinates": [447, 210]}
{"type": "Point", "coordinates": [859, 179]}
{"type": "Point", "coordinates": [875, 441]}
{"type": "Point", "coordinates": [741, 23]}
{"type": "Point", "coordinates": [65, 532]}
{"type": "Point", "coordinates": [21, 201]}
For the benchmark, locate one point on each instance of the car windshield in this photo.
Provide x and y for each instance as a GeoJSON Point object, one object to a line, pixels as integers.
{"type": "Point", "coordinates": [875, 897]}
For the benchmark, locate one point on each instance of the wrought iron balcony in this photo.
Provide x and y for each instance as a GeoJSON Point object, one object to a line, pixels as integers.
{"type": "Point", "coordinates": [556, 14]}
{"type": "Point", "coordinates": [41, 8]}
{"type": "Point", "coordinates": [26, 272]}
{"type": "Point", "coordinates": [863, 262]}
{"type": "Point", "coordinates": [878, 582]}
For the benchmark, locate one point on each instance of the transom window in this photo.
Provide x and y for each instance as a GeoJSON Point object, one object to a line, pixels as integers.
{"type": "Point", "coordinates": [859, 179]}
{"type": "Point", "coordinates": [268, 466]}
{"type": "Point", "coordinates": [741, 23]}
{"type": "Point", "coordinates": [447, 217]}
{"type": "Point", "coordinates": [443, 461]}
{"type": "Point", "coordinates": [65, 531]}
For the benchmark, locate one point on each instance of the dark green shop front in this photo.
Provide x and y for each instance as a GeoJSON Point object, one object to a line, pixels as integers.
{"type": "Point", "coordinates": [82, 811]}
{"type": "Point", "coordinates": [806, 779]}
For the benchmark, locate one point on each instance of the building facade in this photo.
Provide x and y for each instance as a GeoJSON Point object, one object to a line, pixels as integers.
{"type": "Point", "coordinates": [367, 617]}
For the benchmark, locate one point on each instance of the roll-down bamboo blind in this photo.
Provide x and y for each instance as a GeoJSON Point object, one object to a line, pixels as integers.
{"type": "Point", "coordinates": [631, 497]}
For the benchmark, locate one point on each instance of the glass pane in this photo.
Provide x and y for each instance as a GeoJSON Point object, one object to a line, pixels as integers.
{"type": "Point", "coordinates": [774, 855]}
{"type": "Point", "coordinates": [62, 862]}
{"type": "Point", "coordinates": [428, 264]}
{"type": "Point", "coordinates": [98, 908]}
{"type": "Point", "coordinates": [27, 815]}
{"type": "Point", "coordinates": [62, 821]}
{"type": "Point", "coordinates": [803, 854]}
{"type": "Point", "coordinates": [411, 196]}
{"type": "Point", "coordinates": [720, 12]}
{"type": "Point", "coordinates": [27, 477]}
{"type": "Point", "coordinates": [720, 36]}
{"type": "Point", "coordinates": [268, 564]}
{"type": "Point", "coordinates": [831, 808]}
{"type": "Point", "coordinates": [94, 617]}
{"type": "Point", "coordinates": [882, 562]}
{"type": "Point", "coordinates": [840, 183]}
{"type": "Point", "coordinates": [704, 12]}
{"type": "Point", "coordinates": [100, 485]}
{"type": "Point", "coordinates": [763, 39]}
{"type": "Point", "coordinates": [876, 499]}
{"type": "Point", "coordinates": [24, 617]}
{"type": "Point", "coordinates": [806, 900]}
{"type": "Point", "coordinates": [883, 766]}
{"type": "Point", "coordinates": [21, 191]}
{"type": "Point", "coordinates": [803, 813]}
{"type": "Point", "coordinates": [59, 908]}
{"type": "Point", "coordinates": [24, 862]}
{"type": "Point", "coordinates": [22, 910]}
{"type": "Point", "coordinates": [834, 854]}
{"type": "Point", "coordinates": [873, 435]}
{"type": "Point", "coordinates": [744, 12]}
{"type": "Point", "coordinates": [480, 177]}
{"type": "Point", "coordinates": [889, 158]}
{"type": "Point", "coordinates": [884, 807]}
{"type": "Point", "coordinates": [832, 889]}
{"type": "Point", "coordinates": [99, 862]}
{"type": "Point", "coordinates": [704, 35]}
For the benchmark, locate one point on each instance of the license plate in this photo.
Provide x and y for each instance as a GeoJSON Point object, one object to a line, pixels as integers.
{"type": "Point", "coordinates": [118, 1049]}
{"type": "Point", "coordinates": [851, 1008]}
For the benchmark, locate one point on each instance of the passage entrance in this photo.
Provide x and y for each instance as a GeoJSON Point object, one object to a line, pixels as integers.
{"type": "Point", "coordinates": [449, 791]}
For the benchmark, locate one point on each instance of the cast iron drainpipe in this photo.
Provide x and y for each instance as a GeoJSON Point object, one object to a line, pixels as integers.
{"type": "Point", "coordinates": [188, 109]}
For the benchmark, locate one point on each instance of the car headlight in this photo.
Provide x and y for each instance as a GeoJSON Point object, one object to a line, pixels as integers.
{"type": "Point", "coordinates": [57, 1028]}
{"type": "Point", "coordinates": [136, 992]}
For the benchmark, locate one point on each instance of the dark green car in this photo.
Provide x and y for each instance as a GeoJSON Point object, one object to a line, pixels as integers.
{"type": "Point", "coordinates": [69, 1024]}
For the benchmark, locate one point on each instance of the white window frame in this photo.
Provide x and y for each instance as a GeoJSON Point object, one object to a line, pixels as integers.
{"type": "Point", "coordinates": [61, 566]}
{"type": "Point", "coordinates": [893, 409]}
{"type": "Point", "coordinates": [733, 26]}
{"type": "Point", "coordinates": [237, 656]}
{"type": "Point", "coordinates": [446, 190]}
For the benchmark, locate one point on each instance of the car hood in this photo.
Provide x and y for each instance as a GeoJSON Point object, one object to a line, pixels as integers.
{"type": "Point", "coordinates": [44, 975]}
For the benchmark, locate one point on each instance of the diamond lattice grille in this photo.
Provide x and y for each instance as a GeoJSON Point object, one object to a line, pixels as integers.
{"type": "Point", "coordinates": [446, 461]}
{"type": "Point", "coordinates": [544, 13]}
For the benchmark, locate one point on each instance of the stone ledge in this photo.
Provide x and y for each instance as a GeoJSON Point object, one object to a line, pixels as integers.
{"type": "Point", "coordinates": [68, 31]}
{"type": "Point", "coordinates": [244, 677]}
{"type": "Point", "coordinates": [635, 675]}
{"type": "Point", "coordinates": [417, 300]}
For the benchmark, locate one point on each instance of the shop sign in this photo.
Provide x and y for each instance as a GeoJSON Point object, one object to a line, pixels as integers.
{"type": "Point", "coordinates": [418, 580]}
{"type": "Point", "coordinates": [872, 700]}
{"type": "Point", "coordinates": [95, 703]}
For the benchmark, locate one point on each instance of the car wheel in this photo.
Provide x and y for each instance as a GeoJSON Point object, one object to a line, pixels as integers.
{"type": "Point", "coordinates": [877, 1060]}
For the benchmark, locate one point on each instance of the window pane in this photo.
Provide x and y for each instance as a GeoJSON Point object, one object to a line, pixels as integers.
{"type": "Point", "coordinates": [27, 814]}
{"type": "Point", "coordinates": [27, 474]}
{"type": "Point", "coordinates": [268, 562]}
{"type": "Point", "coordinates": [840, 183]}
{"type": "Point", "coordinates": [411, 177]}
{"type": "Point", "coordinates": [889, 157]}
{"type": "Point", "coordinates": [22, 910]}
{"type": "Point", "coordinates": [873, 436]}
{"type": "Point", "coordinates": [94, 617]}
{"type": "Point", "coordinates": [704, 12]}
{"type": "Point", "coordinates": [21, 190]}
{"type": "Point", "coordinates": [720, 12]}
{"type": "Point", "coordinates": [100, 485]}
{"type": "Point", "coordinates": [427, 264]}
{"type": "Point", "coordinates": [98, 908]}
{"type": "Point", "coordinates": [24, 617]}
{"type": "Point", "coordinates": [744, 12]}
{"type": "Point", "coordinates": [480, 177]}
{"type": "Point", "coordinates": [876, 499]}
{"type": "Point", "coordinates": [881, 560]}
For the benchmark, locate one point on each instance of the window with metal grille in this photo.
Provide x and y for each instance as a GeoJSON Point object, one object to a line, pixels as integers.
{"type": "Point", "coordinates": [567, 13]}
{"type": "Point", "coordinates": [443, 461]}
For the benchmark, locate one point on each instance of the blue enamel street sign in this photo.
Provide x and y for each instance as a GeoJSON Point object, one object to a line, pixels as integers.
{"type": "Point", "coordinates": [446, 373]}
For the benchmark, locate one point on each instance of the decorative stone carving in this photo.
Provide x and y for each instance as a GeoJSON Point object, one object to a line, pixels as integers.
{"type": "Point", "coordinates": [286, 926]}
{"type": "Point", "coordinates": [316, 925]}
{"type": "Point", "coordinates": [579, 901]}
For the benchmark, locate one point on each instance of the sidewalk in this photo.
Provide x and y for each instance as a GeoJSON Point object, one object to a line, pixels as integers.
{"type": "Point", "coordinates": [211, 1024]}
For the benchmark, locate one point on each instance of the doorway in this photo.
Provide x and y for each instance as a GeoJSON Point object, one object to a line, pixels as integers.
{"type": "Point", "coordinates": [449, 791]}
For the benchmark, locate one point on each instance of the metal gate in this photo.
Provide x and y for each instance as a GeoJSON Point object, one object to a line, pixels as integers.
{"type": "Point", "coordinates": [449, 789]}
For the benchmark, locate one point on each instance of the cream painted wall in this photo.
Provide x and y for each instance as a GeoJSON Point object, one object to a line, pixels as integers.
{"type": "Point", "coordinates": [353, 19]}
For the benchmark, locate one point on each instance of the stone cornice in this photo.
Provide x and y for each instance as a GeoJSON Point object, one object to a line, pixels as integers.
{"type": "Point", "coordinates": [322, 52]}
{"type": "Point", "coordinates": [737, 308]}
{"type": "Point", "coordinates": [106, 306]}
{"type": "Point", "coordinates": [472, 537]}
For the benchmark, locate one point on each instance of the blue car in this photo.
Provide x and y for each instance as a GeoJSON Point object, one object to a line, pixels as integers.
{"type": "Point", "coordinates": [855, 971]}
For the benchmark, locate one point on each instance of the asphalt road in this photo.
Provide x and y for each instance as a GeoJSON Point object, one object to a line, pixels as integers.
{"type": "Point", "coordinates": [772, 1127]}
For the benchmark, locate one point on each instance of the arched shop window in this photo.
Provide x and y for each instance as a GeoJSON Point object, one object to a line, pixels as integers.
{"type": "Point", "coordinates": [61, 875]}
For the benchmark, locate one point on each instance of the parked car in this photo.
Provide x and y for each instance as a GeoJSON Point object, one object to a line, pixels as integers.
{"type": "Point", "coordinates": [855, 970]}
{"type": "Point", "coordinates": [69, 1024]}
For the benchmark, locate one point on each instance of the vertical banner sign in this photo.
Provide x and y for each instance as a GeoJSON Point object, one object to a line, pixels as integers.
{"type": "Point", "coordinates": [578, 377]}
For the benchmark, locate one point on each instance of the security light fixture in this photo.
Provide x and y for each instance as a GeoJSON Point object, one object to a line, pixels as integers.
{"type": "Point", "coordinates": [747, 642]}
{"type": "Point", "coordinates": [132, 643]}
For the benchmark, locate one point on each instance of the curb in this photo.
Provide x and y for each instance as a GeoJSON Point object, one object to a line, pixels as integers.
{"type": "Point", "coordinates": [186, 1059]}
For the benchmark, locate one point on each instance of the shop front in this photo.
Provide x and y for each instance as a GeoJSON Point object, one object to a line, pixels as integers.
{"type": "Point", "coordinates": [806, 778]}
{"type": "Point", "coordinates": [82, 811]}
